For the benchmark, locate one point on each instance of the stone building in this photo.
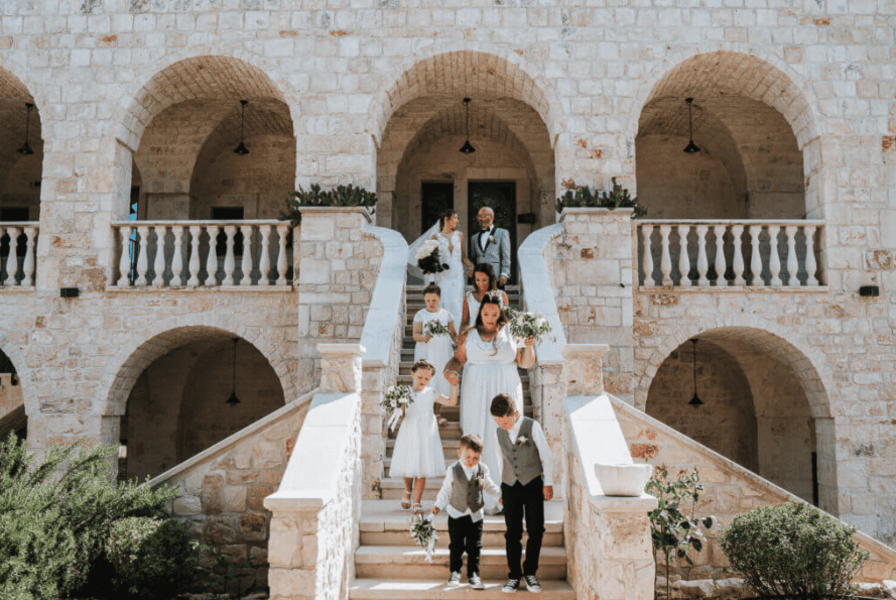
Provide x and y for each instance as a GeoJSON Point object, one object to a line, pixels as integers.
{"type": "Point", "coordinates": [145, 278]}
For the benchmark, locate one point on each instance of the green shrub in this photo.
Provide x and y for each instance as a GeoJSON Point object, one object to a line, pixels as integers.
{"type": "Point", "coordinates": [793, 550]}
{"type": "Point", "coordinates": [585, 197]}
{"type": "Point", "coordinates": [339, 196]}
{"type": "Point", "coordinates": [55, 516]}
{"type": "Point", "coordinates": [152, 558]}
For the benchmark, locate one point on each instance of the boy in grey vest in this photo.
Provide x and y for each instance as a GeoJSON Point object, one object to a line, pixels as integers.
{"type": "Point", "coordinates": [526, 483]}
{"type": "Point", "coordinates": [461, 494]}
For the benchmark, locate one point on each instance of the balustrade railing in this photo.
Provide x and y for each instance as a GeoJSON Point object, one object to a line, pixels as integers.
{"type": "Point", "coordinates": [17, 262]}
{"type": "Point", "coordinates": [162, 254]}
{"type": "Point", "coordinates": [677, 253]}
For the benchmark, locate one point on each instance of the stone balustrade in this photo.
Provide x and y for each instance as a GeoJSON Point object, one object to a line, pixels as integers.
{"type": "Point", "coordinates": [731, 254]}
{"type": "Point", "coordinates": [17, 266]}
{"type": "Point", "coordinates": [175, 254]}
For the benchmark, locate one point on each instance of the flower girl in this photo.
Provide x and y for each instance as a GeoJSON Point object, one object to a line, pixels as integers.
{"type": "Point", "coordinates": [418, 447]}
{"type": "Point", "coordinates": [434, 332]}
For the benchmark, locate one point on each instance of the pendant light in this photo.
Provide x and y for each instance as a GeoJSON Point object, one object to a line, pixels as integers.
{"type": "Point", "coordinates": [26, 148]}
{"type": "Point", "coordinates": [467, 148]}
{"type": "Point", "coordinates": [691, 148]}
{"type": "Point", "coordinates": [241, 149]}
{"type": "Point", "coordinates": [233, 400]}
{"type": "Point", "coordinates": [695, 401]}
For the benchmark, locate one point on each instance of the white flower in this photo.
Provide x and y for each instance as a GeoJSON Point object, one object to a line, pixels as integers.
{"type": "Point", "coordinates": [540, 321]}
{"type": "Point", "coordinates": [491, 239]}
{"type": "Point", "coordinates": [426, 248]}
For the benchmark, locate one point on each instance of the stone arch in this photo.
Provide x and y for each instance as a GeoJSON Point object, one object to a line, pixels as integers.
{"type": "Point", "coordinates": [18, 173]}
{"type": "Point", "coordinates": [752, 76]}
{"type": "Point", "coordinates": [14, 353]}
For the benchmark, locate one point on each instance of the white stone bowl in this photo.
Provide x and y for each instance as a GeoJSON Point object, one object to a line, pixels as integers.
{"type": "Point", "coordinates": [623, 480]}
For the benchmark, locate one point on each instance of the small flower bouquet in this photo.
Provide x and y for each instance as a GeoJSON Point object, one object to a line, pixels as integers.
{"type": "Point", "coordinates": [435, 328]}
{"type": "Point", "coordinates": [521, 440]}
{"type": "Point", "coordinates": [424, 533]}
{"type": "Point", "coordinates": [524, 325]}
{"type": "Point", "coordinates": [396, 397]}
{"type": "Point", "coordinates": [428, 258]}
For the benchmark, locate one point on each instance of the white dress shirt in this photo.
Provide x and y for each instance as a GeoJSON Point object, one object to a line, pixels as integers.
{"type": "Point", "coordinates": [483, 237]}
{"type": "Point", "coordinates": [541, 442]}
{"type": "Point", "coordinates": [488, 486]}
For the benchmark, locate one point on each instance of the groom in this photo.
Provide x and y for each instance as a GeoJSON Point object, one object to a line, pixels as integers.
{"type": "Point", "coordinates": [492, 246]}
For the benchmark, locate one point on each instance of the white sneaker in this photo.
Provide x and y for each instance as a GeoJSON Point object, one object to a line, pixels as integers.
{"type": "Point", "coordinates": [454, 579]}
{"type": "Point", "coordinates": [476, 582]}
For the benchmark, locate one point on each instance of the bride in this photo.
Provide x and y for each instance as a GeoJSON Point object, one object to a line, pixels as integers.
{"type": "Point", "coordinates": [453, 253]}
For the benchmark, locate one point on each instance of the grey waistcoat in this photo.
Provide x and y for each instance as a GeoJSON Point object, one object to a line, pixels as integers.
{"type": "Point", "coordinates": [465, 493]}
{"type": "Point", "coordinates": [522, 462]}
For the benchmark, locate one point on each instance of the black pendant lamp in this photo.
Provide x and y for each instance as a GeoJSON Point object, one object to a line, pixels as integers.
{"type": "Point", "coordinates": [695, 401]}
{"type": "Point", "coordinates": [467, 148]}
{"type": "Point", "coordinates": [233, 400]}
{"type": "Point", "coordinates": [241, 149]}
{"type": "Point", "coordinates": [26, 148]}
{"type": "Point", "coordinates": [691, 148]}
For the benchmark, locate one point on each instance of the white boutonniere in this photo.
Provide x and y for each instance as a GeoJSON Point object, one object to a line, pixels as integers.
{"type": "Point", "coordinates": [491, 239]}
{"type": "Point", "coordinates": [521, 440]}
{"type": "Point", "coordinates": [477, 480]}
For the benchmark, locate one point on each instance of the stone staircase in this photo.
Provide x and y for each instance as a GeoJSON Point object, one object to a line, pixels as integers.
{"type": "Point", "coordinates": [389, 566]}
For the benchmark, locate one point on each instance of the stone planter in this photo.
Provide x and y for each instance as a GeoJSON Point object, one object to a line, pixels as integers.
{"type": "Point", "coordinates": [623, 480]}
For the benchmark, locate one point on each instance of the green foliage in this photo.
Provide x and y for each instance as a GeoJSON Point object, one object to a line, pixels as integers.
{"type": "Point", "coordinates": [674, 527]}
{"type": "Point", "coordinates": [340, 196]}
{"type": "Point", "coordinates": [152, 558]}
{"type": "Point", "coordinates": [793, 550]}
{"type": "Point", "coordinates": [585, 197]}
{"type": "Point", "coordinates": [54, 516]}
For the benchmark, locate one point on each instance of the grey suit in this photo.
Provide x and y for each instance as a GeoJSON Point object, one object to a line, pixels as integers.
{"type": "Point", "coordinates": [496, 253]}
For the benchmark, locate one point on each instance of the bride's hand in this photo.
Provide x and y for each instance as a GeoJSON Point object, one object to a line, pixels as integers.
{"type": "Point", "coordinates": [530, 341]}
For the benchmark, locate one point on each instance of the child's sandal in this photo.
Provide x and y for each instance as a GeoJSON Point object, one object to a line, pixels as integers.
{"type": "Point", "coordinates": [406, 500]}
{"type": "Point", "coordinates": [418, 508]}
{"type": "Point", "coordinates": [442, 421]}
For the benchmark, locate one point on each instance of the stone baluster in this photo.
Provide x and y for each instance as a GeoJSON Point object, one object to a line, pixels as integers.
{"type": "Point", "coordinates": [684, 261]}
{"type": "Point", "coordinates": [792, 264]}
{"type": "Point", "coordinates": [774, 259]}
{"type": "Point", "coordinates": [281, 255]}
{"type": "Point", "coordinates": [647, 258]}
{"type": "Point", "coordinates": [124, 263]}
{"type": "Point", "coordinates": [28, 266]}
{"type": "Point", "coordinates": [755, 256]}
{"type": "Point", "coordinates": [142, 260]}
{"type": "Point", "coordinates": [720, 263]}
{"type": "Point", "coordinates": [702, 263]}
{"type": "Point", "coordinates": [159, 263]}
{"type": "Point", "coordinates": [193, 268]}
{"type": "Point", "coordinates": [264, 261]}
{"type": "Point", "coordinates": [246, 265]}
{"type": "Point", "coordinates": [12, 261]}
{"type": "Point", "coordinates": [811, 265]}
{"type": "Point", "coordinates": [229, 260]}
{"type": "Point", "coordinates": [665, 259]}
{"type": "Point", "coordinates": [211, 261]}
{"type": "Point", "coordinates": [738, 267]}
{"type": "Point", "coordinates": [177, 259]}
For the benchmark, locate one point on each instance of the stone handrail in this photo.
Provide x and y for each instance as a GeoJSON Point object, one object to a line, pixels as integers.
{"type": "Point", "coordinates": [17, 268]}
{"type": "Point", "coordinates": [537, 292]}
{"type": "Point", "coordinates": [745, 256]}
{"type": "Point", "coordinates": [177, 254]}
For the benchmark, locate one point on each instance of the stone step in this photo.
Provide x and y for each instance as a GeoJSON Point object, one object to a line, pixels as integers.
{"type": "Point", "coordinates": [385, 523]}
{"type": "Point", "coordinates": [452, 413]}
{"type": "Point", "coordinates": [393, 489]}
{"type": "Point", "coordinates": [409, 562]}
{"type": "Point", "coordinates": [387, 462]}
{"type": "Point", "coordinates": [417, 589]}
{"type": "Point", "coordinates": [449, 447]}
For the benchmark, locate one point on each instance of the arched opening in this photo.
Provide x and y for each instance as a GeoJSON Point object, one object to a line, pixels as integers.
{"type": "Point", "coordinates": [12, 405]}
{"type": "Point", "coordinates": [21, 151]}
{"type": "Point", "coordinates": [763, 407]}
{"type": "Point", "coordinates": [754, 130]}
{"type": "Point", "coordinates": [178, 404]}
{"type": "Point", "coordinates": [420, 169]}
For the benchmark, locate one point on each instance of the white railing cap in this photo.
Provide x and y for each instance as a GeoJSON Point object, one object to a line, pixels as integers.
{"type": "Point", "coordinates": [387, 298]}
{"type": "Point", "coordinates": [538, 293]}
{"type": "Point", "coordinates": [795, 222]}
{"type": "Point", "coordinates": [201, 223]}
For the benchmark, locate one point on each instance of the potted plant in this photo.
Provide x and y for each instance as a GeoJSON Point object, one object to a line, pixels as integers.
{"type": "Point", "coordinates": [342, 195]}
{"type": "Point", "coordinates": [585, 197]}
{"type": "Point", "coordinates": [794, 551]}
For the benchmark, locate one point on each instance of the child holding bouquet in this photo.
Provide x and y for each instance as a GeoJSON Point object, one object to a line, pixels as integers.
{"type": "Point", "coordinates": [434, 333]}
{"type": "Point", "coordinates": [418, 447]}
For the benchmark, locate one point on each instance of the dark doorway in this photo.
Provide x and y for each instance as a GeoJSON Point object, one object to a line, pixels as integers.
{"type": "Point", "coordinates": [500, 196]}
{"type": "Point", "coordinates": [435, 196]}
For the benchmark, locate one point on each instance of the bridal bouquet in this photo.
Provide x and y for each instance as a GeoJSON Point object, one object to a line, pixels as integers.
{"type": "Point", "coordinates": [435, 328]}
{"type": "Point", "coordinates": [424, 533]}
{"type": "Point", "coordinates": [396, 397]}
{"type": "Point", "coordinates": [526, 324]}
{"type": "Point", "coordinates": [428, 258]}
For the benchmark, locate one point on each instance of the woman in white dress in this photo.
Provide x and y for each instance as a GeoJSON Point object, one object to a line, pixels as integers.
{"type": "Point", "coordinates": [437, 349]}
{"type": "Point", "coordinates": [418, 448]}
{"type": "Point", "coordinates": [453, 253]}
{"type": "Point", "coordinates": [492, 356]}
{"type": "Point", "coordinates": [484, 281]}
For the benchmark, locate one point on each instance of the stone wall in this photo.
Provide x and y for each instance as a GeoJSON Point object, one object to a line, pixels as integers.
{"type": "Point", "coordinates": [222, 490]}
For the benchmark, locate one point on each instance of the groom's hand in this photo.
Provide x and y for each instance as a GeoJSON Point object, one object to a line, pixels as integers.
{"type": "Point", "coordinates": [548, 492]}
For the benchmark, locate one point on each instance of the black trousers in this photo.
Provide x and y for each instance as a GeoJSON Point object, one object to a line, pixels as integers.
{"type": "Point", "coordinates": [519, 501]}
{"type": "Point", "coordinates": [464, 535]}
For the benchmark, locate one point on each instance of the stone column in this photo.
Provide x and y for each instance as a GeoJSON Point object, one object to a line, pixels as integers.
{"type": "Point", "coordinates": [340, 368]}
{"type": "Point", "coordinates": [584, 369]}
{"type": "Point", "coordinates": [593, 274]}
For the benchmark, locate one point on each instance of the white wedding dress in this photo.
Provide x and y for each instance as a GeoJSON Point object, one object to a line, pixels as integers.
{"type": "Point", "coordinates": [452, 281]}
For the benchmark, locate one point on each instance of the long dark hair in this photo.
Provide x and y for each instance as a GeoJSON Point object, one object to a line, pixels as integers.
{"type": "Point", "coordinates": [491, 298]}
{"type": "Point", "coordinates": [443, 218]}
{"type": "Point", "coordinates": [488, 270]}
